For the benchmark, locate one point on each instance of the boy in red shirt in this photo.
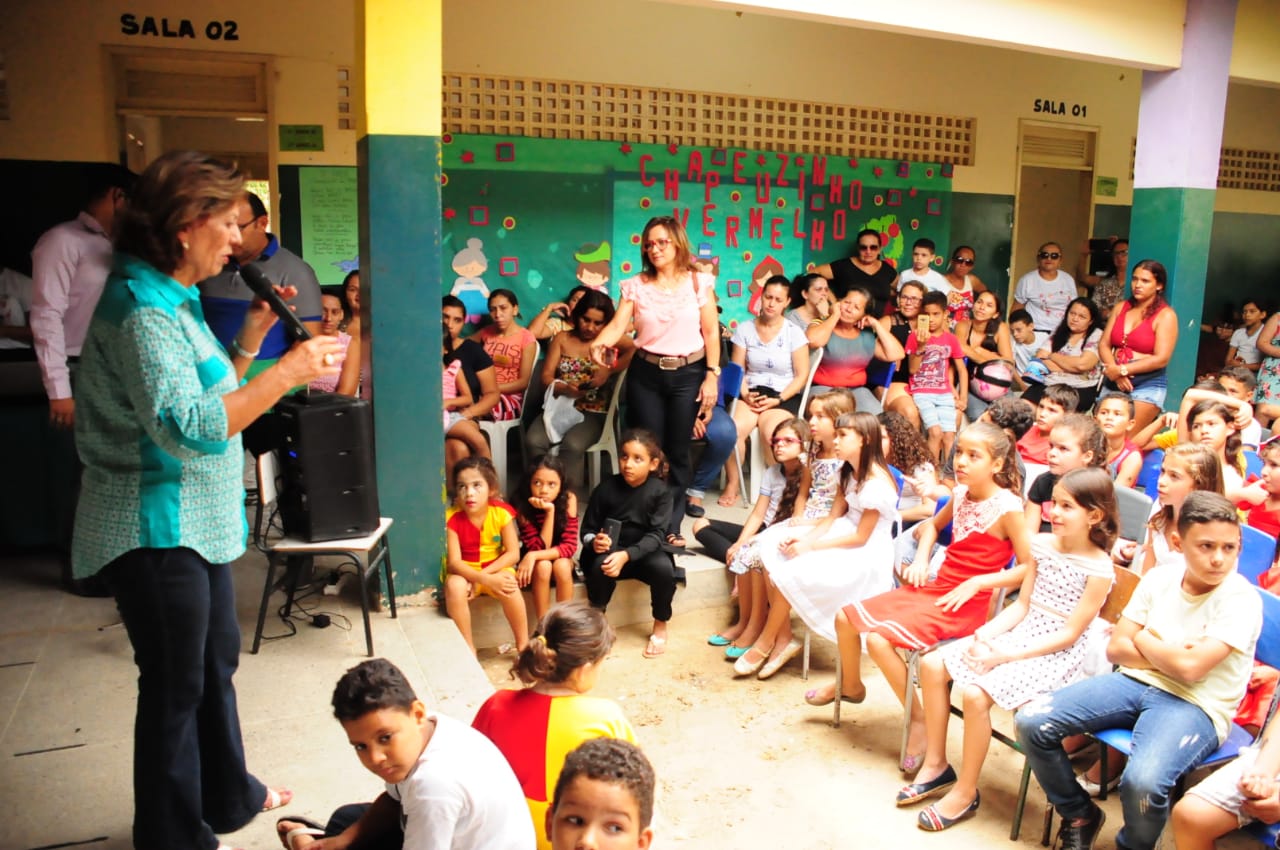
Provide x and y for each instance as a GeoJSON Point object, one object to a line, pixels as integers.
{"type": "Point", "coordinates": [1058, 400]}
{"type": "Point", "coordinates": [931, 384]}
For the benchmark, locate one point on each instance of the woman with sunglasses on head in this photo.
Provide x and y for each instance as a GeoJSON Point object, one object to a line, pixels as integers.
{"type": "Point", "coordinates": [864, 270]}
{"type": "Point", "coordinates": [1046, 291]}
{"type": "Point", "coordinates": [963, 286]}
{"type": "Point", "coordinates": [675, 374]}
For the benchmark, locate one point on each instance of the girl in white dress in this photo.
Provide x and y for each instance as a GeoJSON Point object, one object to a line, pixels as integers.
{"type": "Point", "coordinates": [810, 570]}
{"type": "Point", "coordinates": [1034, 646]}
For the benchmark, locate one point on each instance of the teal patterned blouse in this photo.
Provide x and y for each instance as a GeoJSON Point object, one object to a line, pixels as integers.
{"type": "Point", "coordinates": [151, 428]}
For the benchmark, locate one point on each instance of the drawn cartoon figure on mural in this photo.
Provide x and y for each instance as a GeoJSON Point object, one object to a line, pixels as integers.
{"type": "Point", "coordinates": [593, 265]}
{"type": "Point", "coordinates": [469, 264]}
{"type": "Point", "coordinates": [767, 268]}
{"type": "Point", "coordinates": [707, 265]}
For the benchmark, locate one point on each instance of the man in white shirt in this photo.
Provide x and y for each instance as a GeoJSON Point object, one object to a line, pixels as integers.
{"type": "Point", "coordinates": [69, 267]}
{"type": "Point", "coordinates": [1045, 292]}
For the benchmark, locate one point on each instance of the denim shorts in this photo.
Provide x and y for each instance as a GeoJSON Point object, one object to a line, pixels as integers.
{"type": "Point", "coordinates": [1152, 391]}
{"type": "Point", "coordinates": [937, 409]}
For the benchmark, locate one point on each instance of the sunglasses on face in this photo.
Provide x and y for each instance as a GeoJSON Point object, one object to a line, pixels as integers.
{"type": "Point", "coordinates": [1048, 255]}
{"type": "Point", "coordinates": [962, 261]}
{"type": "Point", "coordinates": [868, 246]}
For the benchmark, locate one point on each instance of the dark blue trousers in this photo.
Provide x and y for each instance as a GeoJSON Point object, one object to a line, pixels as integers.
{"type": "Point", "coordinates": [189, 777]}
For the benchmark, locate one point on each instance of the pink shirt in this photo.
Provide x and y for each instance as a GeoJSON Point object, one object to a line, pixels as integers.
{"type": "Point", "coordinates": [669, 323]}
{"type": "Point", "coordinates": [507, 352]}
{"type": "Point", "coordinates": [329, 383]}
{"type": "Point", "coordinates": [69, 267]}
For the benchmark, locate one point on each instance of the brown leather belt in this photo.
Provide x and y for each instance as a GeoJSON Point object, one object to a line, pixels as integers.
{"type": "Point", "coordinates": [668, 363]}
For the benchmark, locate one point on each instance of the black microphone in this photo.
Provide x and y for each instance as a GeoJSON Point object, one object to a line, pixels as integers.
{"type": "Point", "coordinates": [263, 288]}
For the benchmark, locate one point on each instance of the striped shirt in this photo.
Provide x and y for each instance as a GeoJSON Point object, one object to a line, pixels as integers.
{"type": "Point", "coordinates": [151, 427]}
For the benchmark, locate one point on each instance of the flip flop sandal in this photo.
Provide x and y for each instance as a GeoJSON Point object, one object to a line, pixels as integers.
{"type": "Point", "coordinates": [309, 827]}
{"type": "Point", "coordinates": [656, 647]}
{"type": "Point", "coordinates": [276, 799]}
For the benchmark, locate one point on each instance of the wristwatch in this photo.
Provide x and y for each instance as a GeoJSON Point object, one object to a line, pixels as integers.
{"type": "Point", "coordinates": [715, 370]}
{"type": "Point", "coordinates": [1124, 370]}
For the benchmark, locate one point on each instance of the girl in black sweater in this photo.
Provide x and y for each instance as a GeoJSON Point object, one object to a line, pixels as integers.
{"type": "Point", "coordinates": [637, 503]}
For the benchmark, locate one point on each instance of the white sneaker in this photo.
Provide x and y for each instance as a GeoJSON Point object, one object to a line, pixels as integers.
{"type": "Point", "coordinates": [1094, 789]}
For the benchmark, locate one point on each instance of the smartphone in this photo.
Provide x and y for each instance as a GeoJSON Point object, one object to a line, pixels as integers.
{"type": "Point", "coordinates": [613, 528]}
{"type": "Point", "coordinates": [922, 326]}
{"type": "Point", "coordinates": [610, 357]}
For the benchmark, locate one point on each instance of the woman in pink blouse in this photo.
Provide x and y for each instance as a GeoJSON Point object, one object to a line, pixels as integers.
{"type": "Point", "coordinates": [674, 376]}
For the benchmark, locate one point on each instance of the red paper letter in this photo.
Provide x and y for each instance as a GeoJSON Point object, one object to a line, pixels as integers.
{"type": "Point", "coordinates": [706, 220]}
{"type": "Point", "coordinates": [731, 232]}
{"type": "Point", "coordinates": [694, 172]}
{"type": "Point", "coordinates": [645, 179]}
{"type": "Point", "coordinates": [815, 236]}
{"type": "Point", "coordinates": [711, 181]}
{"type": "Point", "coordinates": [671, 185]}
{"type": "Point", "coordinates": [738, 157]}
{"type": "Point", "coordinates": [755, 223]}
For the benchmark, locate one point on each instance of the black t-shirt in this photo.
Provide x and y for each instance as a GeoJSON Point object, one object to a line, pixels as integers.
{"type": "Point", "coordinates": [474, 360]}
{"type": "Point", "coordinates": [845, 275]}
{"type": "Point", "coordinates": [1041, 493]}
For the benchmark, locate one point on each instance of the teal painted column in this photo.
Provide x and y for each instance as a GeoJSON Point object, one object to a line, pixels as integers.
{"type": "Point", "coordinates": [1180, 121]}
{"type": "Point", "coordinates": [399, 46]}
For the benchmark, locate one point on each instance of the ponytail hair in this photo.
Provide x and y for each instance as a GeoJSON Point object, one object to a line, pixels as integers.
{"type": "Point", "coordinates": [650, 442]}
{"type": "Point", "coordinates": [569, 636]}
{"type": "Point", "coordinates": [1001, 446]}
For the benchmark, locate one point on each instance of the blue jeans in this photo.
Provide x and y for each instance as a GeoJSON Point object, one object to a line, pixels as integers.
{"type": "Point", "coordinates": [189, 775]}
{"type": "Point", "coordinates": [721, 437]}
{"type": "Point", "coordinates": [1170, 736]}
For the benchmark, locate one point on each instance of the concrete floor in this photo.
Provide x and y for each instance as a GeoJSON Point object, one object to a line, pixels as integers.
{"type": "Point", "coordinates": [68, 692]}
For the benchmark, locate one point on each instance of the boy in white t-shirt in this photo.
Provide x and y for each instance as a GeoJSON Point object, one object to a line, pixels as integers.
{"type": "Point", "coordinates": [1243, 350]}
{"type": "Point", "coordinates": [448, 786]}
{"type": "Point", "coordinates": [1026, 342]}
{"type": "Point", "coordinates": [922, 270]}
{"type": "Point", "coordinates": [1184, 646]}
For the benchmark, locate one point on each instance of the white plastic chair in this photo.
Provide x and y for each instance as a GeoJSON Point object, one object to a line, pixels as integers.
{"type": "Point", "coordinates": [499, 432]}
{"type": "Point", "coordinates": [608, 441]}
{"type": "Point", "coordinates": [364, 554]}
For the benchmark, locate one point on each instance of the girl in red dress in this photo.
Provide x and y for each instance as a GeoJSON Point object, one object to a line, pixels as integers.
{"type": "Point", "coordinates": [988, 529]}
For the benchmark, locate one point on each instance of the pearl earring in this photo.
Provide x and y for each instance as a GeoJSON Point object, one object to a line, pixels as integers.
{"type": "Point", "coordinates": [186, 246]}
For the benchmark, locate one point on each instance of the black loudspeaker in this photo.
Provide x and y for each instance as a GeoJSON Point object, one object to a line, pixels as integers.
{"type": "Point", "coordinates": [329, 489]}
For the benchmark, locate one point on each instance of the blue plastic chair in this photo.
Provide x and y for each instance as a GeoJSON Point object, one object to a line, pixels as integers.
{"type": "Point", "coordinates": [1150, 473]}
{"type": "Point", "coordinates": [1267, 833]}
{"type": "Point", "coordinates": [1267, 651]}
{"type": "Point", "coordinates": [1257, 552]}
{"type": "Point", "coordinates": [1252, 463]}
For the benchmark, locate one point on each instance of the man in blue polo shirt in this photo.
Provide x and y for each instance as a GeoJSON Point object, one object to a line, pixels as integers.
{"type": "Point", "coordinates": [225, 298]}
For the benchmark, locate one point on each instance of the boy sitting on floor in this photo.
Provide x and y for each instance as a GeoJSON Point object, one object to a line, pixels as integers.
{"type": "Point", "coordinates": [603, 799]}
{"type": "Point", "coordinates": [1185, 648]}
{"type": "Point", "coordinates": [448, 786]}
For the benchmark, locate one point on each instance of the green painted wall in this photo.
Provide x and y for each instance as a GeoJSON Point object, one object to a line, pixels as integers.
{"type": "Point", "coordinates": [985, 223]}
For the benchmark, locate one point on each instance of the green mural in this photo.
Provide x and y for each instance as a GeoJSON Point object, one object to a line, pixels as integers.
{"type": "Point", "coordinates": [537, 216]}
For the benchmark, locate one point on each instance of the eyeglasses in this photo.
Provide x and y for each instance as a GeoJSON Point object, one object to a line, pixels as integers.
{"type": "Point", "coordinates": [246, 225]}
{"type": "Point", "coordinates": [867, 246]}
{"type": "Point", "coordinates": [1048, 255]}
{"type": "Point", "coordinates": [908, 299]}
{"type": "Point", "coordinates": [660, 244]}
{"type": "Point", "coordinates": [782, 441]}
{"type": "Point", "coordinates": [962, 261]}
{"type": "Point", "coordinates": [1124, 251]}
